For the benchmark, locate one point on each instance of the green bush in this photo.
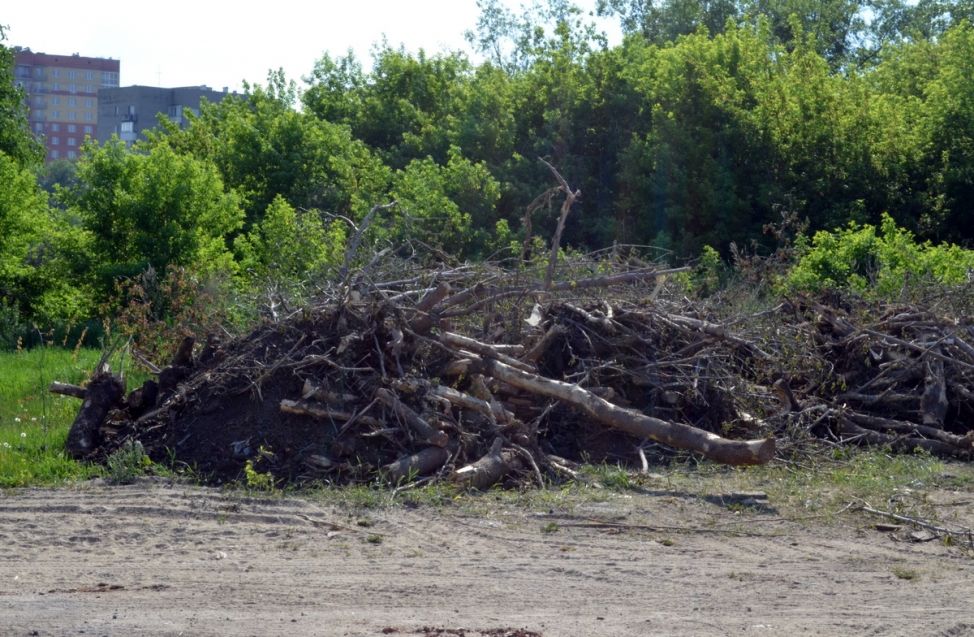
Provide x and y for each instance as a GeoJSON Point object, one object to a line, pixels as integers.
{"type": "Point", "coordinates": [883, 264]}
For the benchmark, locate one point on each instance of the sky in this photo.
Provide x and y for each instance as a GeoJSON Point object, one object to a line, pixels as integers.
{"type": "Point", "coordinates": [222, 44]}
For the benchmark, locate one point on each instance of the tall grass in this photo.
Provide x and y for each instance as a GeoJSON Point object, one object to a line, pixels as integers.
{"type": "Point", "coordinates": [33, 422]}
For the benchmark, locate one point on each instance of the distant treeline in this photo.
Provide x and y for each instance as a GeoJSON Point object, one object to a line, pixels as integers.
{"type": "Point", "coordinates": [704, 125]}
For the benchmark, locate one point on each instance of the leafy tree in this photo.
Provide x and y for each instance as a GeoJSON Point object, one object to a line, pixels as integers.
{"type": "Point", "coordinates": [36, 251]}
{"type": "Point", "coordinates": [286, 246]}
{"type": "Point", "coordinates": [16, 140]}
{"type": "Point", "coordinates": [155, 208]}
{"type": "Point", "coordinates": [664, 22]}
{"type": "Point", "coordinates": [263, 149]}
{"type": "Point", "coordinates": [947, 131]}
{"type": "Point", "coordinates": [441, 203]}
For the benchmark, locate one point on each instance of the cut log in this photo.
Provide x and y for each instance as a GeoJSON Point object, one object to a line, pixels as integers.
{"type": "Point", "coordinates": [934, 404]}
{"type": "Point", "coordinates": [463, 342]}
{"type": "Point", "coordinates": [184, 353]}
{"type": "Point", "coordinates": [855, 433]}
{"type": "Point", "coordinates": [420, 427]}
{"type": "Point", "coordinates": [421, 463]}
{"type": "Point", "coordinates": [103, 393]}
{"type": "Point", "coordinates": [67, 389]}
{"type": "Point", "coordinates": [489, 469]}
{"type": "Point", "coordinates": [493, 411]}
{"type": "Point", "coordinates": [310, 390]}
{"type": "Point", "coordinates": [143, 399]}
{"type": "Point", "coordinates": [676, 435]}
{"type": "Point", "coordinates": [541, 347]}
{"type": "Point", "coordinates": [425, 319]}
{"type": "Point", "coordinates": [322, 412]}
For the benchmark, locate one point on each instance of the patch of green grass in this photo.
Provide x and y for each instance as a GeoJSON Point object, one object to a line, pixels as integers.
{"type": "Point", "coordinates": [550, 527]}
{"type": "Point", "coordinates": [826, 483]}
{"type": "Point", "coordinates": [901, 572]}
{"type": "Point", "coordinates": [33, 422]}
{"type": "Point", "coordinates": [610, 476]}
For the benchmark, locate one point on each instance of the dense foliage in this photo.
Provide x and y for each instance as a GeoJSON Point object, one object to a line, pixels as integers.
{"type": "Point", "coordinates": [700, 128]}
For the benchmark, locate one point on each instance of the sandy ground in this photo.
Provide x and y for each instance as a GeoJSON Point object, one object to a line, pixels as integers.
{"type": "Point", "coordinates": [163, 559]}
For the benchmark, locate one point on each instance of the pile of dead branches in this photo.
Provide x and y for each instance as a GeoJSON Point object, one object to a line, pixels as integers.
{"type": "Point", "coordinates": [477, 374]}
{"type": "Point", "coordinates": [421, 377]}
{"type": "Point", "coordinates": [443, 374]}
{"type": "Point", "coordinates": [895, 376]}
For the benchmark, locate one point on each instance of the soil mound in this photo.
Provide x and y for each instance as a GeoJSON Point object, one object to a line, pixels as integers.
{"type": "Point", "coordinates": [448, 374]}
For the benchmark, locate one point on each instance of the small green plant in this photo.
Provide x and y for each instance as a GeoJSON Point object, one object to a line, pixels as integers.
{"type": "Point", "coordinates": [550, 527]}
{"type": "Point", "coordinates": [127, 463]}
{"type": "Point", "coordinates": [257, 480]}
{"type": "Point", "coordinates": [612, 476]}
{"type": "Point", "coordinates": [374, 538]}
{"type": "Point", "coordinates": [909, 574]}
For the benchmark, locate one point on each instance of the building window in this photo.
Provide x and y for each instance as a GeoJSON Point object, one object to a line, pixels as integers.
{"type": "Point", "coordinates": [55, 127]}
{"type": "Point", "coordinates": [55, 73]}
{"type": "Point", "coordinates": [55, 154]}
{"type": "Point", "coordinates": [72, 75]}
{"type": "Point", "coordinates": [89, 116]}
{"type": "Point", "coordinates": [72, 88]}
{"type": "Point", "coordinates": [55, 100]}
{"type": "Point", "coordinates": [72, 116]}
{"type": "Point", "coordinates": [89, 103]}
{"type": "Point", "coordinates": [38, 127]}
{"type": "Point", "coordinates": [55, 141]}
{"type": "Point", "coordinates": [72, 128]}
{"type": "Point", "coordinates": [55, 86]}
{"type": "Point", "coordinates": [72, 154]}
{"type": "Point", "coordinates": [72, 141]}
{"type": "Point", "coordinates": [55, 114]}
{"type": "Point", "coordinates": [72, 101]}
{"type": "Point", "coordinates": [89, 130]}
{"type": "Point", "coordinates": [89, 75]}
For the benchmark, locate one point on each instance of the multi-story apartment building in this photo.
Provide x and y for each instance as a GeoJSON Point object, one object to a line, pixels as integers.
{"type": "Point", "coordinates": [62, 96]}
{"type": "Point", "coordinates": [128, 111]}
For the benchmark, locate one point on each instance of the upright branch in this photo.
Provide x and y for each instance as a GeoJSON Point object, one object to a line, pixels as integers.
{"type": "Point", "coordinates": [356, 240]}
{"type": "Point", "coordinates": [566, 206]}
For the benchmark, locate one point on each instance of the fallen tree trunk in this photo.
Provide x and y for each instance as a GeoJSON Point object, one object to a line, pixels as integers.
{"type": "Point", "coordinates": [676, 435]}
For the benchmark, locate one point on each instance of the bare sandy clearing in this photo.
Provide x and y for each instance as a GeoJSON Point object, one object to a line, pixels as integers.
{"type": "Point", "coordinates": [159, 559]}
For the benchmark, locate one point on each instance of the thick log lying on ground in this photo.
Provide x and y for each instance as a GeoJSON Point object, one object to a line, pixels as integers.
{"type": "Point", "coordinates": [488, 470]}
{"type": "Point", "coordinates": [421, 463]}
{"type": "Point", "coordinates": [676, 435]}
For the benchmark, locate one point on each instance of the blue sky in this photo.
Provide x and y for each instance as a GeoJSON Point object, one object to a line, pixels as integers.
{"type": "Point", "coordinates": [179, 43]}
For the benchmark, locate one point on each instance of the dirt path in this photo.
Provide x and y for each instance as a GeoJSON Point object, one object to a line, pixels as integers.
{"type": "Point", "coordinates": [158, 559]}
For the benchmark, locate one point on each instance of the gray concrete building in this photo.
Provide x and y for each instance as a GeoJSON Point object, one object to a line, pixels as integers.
{"type": "Point", "coordinates": [129, 110]}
